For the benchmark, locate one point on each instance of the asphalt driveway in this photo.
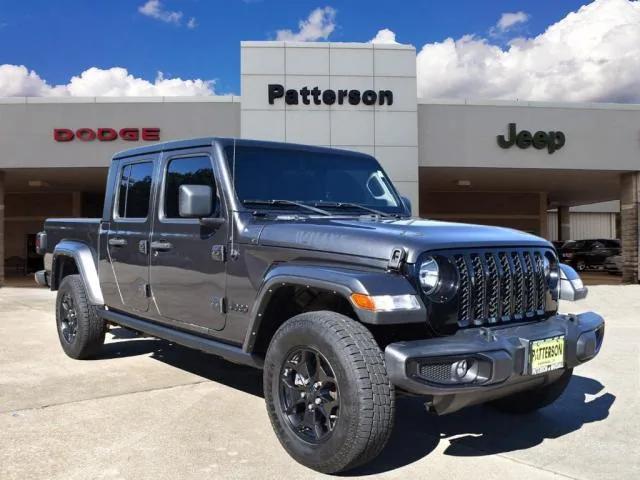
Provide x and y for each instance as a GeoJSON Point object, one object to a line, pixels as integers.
{"type": "Point", "coordinates": [149, 409]}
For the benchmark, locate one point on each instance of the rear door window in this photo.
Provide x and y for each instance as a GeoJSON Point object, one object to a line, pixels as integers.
{"type": "Point", "coordinates": [134, 191]}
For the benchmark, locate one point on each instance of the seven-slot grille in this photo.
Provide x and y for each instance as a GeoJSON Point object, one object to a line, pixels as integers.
{"type": "Point", "coordinates": [499, 285]}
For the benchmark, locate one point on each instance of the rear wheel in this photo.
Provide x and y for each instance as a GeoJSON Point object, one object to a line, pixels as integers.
{"type": "Point", "coordinates": [535, 399]}
{"type": "Point", "coordinates": [327, 392]}
{"type": "Point", "coordinates": [581, 265]}
{"type": "Point", "coordinates": [80, 330]}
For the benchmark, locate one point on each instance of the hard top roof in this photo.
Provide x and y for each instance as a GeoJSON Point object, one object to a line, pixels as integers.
{"type": "Point", "coordinates": [224, 142]}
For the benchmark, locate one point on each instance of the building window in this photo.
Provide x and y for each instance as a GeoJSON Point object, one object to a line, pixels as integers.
{"type": "Point", "coordinates": [186, 171]}
{"type": "Point", "coordinates": [135, 190]}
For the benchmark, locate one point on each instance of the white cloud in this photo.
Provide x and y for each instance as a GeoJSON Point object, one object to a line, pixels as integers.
{"type": "Point", "coordinates": [384, 36]}
{"type": "Point", "coordinates": [17, 80]}
{"type": "Point", "coordinates": [318, 26]}
{"type": "Point", "coordinates": [154, 9]}
{"type": "Point", "coordinates": [590, 55]}
{"type": "Point", "coordinates": [509, 20]}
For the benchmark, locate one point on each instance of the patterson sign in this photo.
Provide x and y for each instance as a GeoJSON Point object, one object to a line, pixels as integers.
{"type": "Point", "coordinates": [316, 96]}
{"type": "Point", "coordinates": [552, 141]}
{"type": "Point", "coordinates": [106, 134]}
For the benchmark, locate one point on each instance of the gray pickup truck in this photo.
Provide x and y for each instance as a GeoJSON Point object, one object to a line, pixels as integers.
{"type": "Point", "coordinates": [306, 262]}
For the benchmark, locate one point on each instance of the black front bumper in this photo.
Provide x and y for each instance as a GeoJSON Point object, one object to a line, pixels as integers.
{"type": "Point", "coordinates": [501, 356]}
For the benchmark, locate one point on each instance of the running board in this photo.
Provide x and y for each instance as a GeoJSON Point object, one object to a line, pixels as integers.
{"type": "Point", "coordinates": [228, 352]}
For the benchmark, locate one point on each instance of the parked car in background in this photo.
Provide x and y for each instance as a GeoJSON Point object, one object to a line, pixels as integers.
{"type": "Point", "coordinates": [558, 244]}
{"type": "Point", "coordinates": [588, 254]}
{"type": "Point", "coordinates": [613, 265]}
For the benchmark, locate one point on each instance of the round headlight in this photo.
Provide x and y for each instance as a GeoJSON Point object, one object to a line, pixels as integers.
{"type": "Point", "coordinates": [429, 275]}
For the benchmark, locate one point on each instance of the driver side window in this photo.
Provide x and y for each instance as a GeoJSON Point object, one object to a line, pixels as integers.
{"type": "Point", "coordinates": [186, 171]}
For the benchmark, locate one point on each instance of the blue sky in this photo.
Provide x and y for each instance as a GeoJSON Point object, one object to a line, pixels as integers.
{"type": "Point", "coordinates": [64, 38]}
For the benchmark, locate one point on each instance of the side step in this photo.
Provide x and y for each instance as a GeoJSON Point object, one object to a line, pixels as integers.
{"type": "Point", "coordinates": [229, 352]}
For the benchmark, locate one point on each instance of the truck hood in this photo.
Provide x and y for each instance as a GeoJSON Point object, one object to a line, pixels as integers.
{"type": "Point", "coordinates": [368, 237]}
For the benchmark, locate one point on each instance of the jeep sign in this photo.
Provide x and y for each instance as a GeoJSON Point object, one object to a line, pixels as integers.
{"type": "Point", "coordinates": [552, 141]}
{"type": "Point", "coordinates": [106, 134]}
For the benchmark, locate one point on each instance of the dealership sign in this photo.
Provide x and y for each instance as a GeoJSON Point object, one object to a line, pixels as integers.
{"type": "Point", "coordinates": [316, 96]}
{"type": "Point", "coordinates": [106, 134]}
{"type": "Point", "coordinates": [552, 141]}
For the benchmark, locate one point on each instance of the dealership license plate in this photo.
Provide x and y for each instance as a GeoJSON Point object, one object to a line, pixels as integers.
{"type": "Point", "coordinates": [546, 355]}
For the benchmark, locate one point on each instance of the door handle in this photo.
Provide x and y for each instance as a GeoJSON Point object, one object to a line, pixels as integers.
{"type": "Point", "coordinates": [117, 242]}
{"type": "Point", "coordinates": [161, 246]}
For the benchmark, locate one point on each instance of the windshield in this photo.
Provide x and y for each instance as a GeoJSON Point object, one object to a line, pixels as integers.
{"type": "Point", "coordinates": [326, 180]}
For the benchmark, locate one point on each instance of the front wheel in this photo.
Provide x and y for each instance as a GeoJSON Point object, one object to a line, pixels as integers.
{"type": "Point", "coordinates": [535, 399]}
{"type": "Point", "coordinates": [328, 396]}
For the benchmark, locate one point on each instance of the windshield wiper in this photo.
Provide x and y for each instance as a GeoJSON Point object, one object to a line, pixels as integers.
{"type": "Point", "coordinates": [286, 202]}
{"type": "Point", "coordinates": [355, 205]}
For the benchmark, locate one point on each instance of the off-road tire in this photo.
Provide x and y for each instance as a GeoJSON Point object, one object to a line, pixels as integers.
{"type": "Point", "coordinates": [535, 399]}
{"type": "Point", "coordinates": [90, 331]}
{"type": "Point", "coordinates": [367, 398]}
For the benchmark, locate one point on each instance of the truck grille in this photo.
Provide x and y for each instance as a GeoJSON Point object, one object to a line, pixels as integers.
{"type": "Point", "coordinates": [499, 285]}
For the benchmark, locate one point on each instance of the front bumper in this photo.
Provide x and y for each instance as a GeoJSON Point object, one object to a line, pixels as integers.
{"type": "Point", "coordinates": [500, 353]}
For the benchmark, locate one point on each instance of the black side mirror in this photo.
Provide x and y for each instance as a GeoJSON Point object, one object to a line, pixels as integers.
{"type": "Point", "coordinates": [195, 201]}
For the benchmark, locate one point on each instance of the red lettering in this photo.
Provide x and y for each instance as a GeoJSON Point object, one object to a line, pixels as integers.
{"type": "Point", "coordinates": [62, 135]}
{"type": "Point", "coordinates": [85, 134]}
{"type": "Point", "coordinates": [151, 134]}
{"type": "Point", "coordinates": [107, 134]}
{"type": "Point", "coordinates": [130, 134]}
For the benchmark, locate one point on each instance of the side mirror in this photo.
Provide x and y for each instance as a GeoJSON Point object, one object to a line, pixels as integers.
{"type": "Point", "coordinates": [407, 203]}
{"type": "Point", "coordinates": [571, 286]}
{"type": "Point", "coordinates": [195, 201]}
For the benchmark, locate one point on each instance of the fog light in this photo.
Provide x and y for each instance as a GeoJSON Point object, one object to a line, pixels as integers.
{"type": "Point", "coordinates": [464, 371]}
{"type": "Point", "coordinates": [461, 368]}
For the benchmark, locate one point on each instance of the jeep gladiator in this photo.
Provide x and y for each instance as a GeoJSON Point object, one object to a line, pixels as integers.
{"type": "Point", "coordinates": [306, 262]}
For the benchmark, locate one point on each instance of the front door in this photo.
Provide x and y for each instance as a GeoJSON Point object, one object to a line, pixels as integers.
{"type": "Point", "coordinates": [188, 266]}
{"type": "Point", "coordinates": [128, 235]}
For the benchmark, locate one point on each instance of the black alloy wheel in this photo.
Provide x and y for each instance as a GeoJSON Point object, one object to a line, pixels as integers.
{"type": "Point", "coordinates": [80, 330]}
{"type": "Point", "coordinates": [329, 399]}
{"type": "Point", "coordinates": [309, 395]}
{"type": "Point", "coordinates": [68, 318]}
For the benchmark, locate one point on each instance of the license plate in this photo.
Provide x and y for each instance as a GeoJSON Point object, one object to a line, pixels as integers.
{"type": "Point", "coordinates": [546, 355]}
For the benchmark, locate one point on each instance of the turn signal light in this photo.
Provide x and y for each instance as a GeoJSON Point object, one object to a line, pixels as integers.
{"type": "Point", "coordinates": [385, 303]}
{"type": "Point", "coordinates": [363, 301]}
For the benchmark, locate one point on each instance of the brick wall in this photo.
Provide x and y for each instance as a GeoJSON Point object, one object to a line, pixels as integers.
{"type": "Point", "coordinates": [629, 204]}
{"type": "Point", "coordinates": [1, 228]}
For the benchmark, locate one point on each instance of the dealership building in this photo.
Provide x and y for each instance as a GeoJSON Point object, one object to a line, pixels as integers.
{"type": "Point", "coordinates": [538, 167]}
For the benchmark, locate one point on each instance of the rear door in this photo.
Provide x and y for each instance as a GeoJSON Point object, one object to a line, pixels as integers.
{"type": "Point", "coordinates": [188, 269]}
{"type": "Point", "coordinates": [128, 235]}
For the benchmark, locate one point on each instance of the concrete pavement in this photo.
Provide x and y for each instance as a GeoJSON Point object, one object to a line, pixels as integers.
{"type": "Point", "coordinates": [148, 409]}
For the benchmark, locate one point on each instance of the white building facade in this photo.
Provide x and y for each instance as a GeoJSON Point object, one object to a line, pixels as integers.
{"type": "Point", "coordinates": [531, 166]}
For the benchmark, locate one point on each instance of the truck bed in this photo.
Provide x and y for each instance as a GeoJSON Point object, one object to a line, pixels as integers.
{"type": "Point", "coordinates": [85, 230]}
